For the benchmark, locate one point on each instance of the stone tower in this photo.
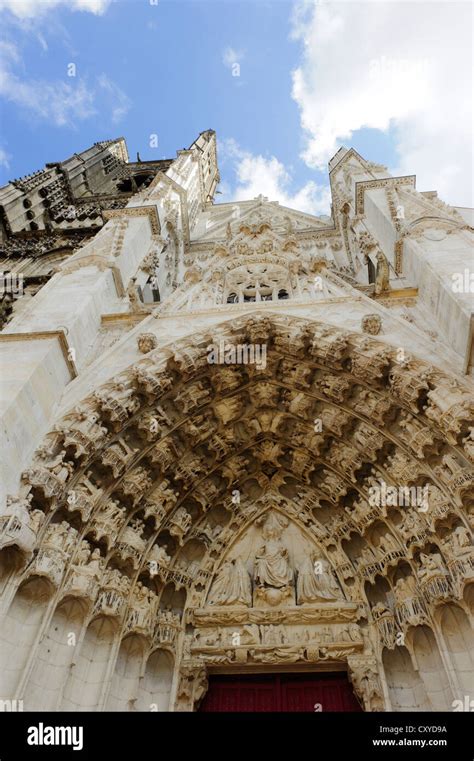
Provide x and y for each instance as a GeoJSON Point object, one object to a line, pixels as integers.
{"type": "Point", "coordinates": [237, 437]}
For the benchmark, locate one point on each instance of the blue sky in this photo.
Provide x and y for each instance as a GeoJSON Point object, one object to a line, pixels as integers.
{"type": "Point", "coordinates": [308, 82]}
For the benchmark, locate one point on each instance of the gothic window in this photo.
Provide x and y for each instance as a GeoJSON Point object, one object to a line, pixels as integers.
{"type": "Point", "coordinates": [257, 283]}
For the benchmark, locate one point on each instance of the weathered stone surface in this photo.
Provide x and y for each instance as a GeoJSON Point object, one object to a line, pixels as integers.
{"type": "Point", "coordinates": [270, 465]}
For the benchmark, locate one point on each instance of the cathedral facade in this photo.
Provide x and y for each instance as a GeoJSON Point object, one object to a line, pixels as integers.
{"type": "Point", "coordinates": [238, 442]}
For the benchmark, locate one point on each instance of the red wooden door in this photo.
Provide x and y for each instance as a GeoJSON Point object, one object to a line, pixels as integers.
{"type": "Point", "coordinates": [279, 692]}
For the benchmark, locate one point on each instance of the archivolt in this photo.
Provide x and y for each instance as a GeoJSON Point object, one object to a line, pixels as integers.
{"type": "Point", "coordinates": [136, 495]}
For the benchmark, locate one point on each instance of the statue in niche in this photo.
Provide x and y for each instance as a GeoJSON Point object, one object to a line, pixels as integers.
{"type": "Point", "coordinates": [89, 563]}
{"type": "Point", "coordinates": [272, 568]}
{"type": "Point", "coordinates": [405, 589]}
{"type": "Point", "coordinates": [315, 582]}
{"type": "Point", "coordinates": [431, 566]}
{"type": "Point", "coordinates": [232, 585]}
{"type": "Point", "coordinates": [387, 544]}
{"type": "Point", "coordinates": [159, 555]}
{"type": "Point", "coordinates": [367, 556]}
{"type": "Point", "coordinates": [380, 609]}
{"type": "Point", "coordinates": [458, 543]}
{"type": "Point", "coordinates": [382, 274]}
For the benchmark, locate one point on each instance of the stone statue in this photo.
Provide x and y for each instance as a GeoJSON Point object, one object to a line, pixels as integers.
{"type": "Point", "coordinates": [272, 568]}
{"type": "Point", "coordinates": [232, 585]}
{"type": "Point", "coordinates": [431, 566]}
{"type": "Point", "coordinates": [37, 518]}
{"type": "Point", "coordinates": [158, 554]}
{"type": "Point", "coordinates": [405, 588]}
{"type": "Point", "coordinates": [462, 538]}
{"type": "Point", "coordinates": [382, 275]}
{"type": "Point", "coordinates": [315, 582]}
{"type": "Point", "coordinates": [18, 507]}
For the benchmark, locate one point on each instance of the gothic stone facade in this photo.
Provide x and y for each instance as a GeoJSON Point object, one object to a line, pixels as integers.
{"type": "Point", "coordinates": [237, 437]}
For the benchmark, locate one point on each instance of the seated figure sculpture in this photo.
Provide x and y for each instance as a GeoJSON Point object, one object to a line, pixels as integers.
{"type": "Point", "coordinates": [272, 568]}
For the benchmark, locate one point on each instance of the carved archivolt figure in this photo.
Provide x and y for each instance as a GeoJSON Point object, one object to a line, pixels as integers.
{"type": "Point", "coordinates": [405, 588]}
{"type": "Point", "coordinates": [315, 582]}
{"type": "Point", "coordinates": [159, 555]}
{"type": "Point", "coordinates": [431, 565]}
{"type": "Point", "coordinates": [459, 543]}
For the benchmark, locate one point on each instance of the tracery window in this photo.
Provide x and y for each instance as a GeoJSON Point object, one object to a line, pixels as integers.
{"type": "Point", "coordinates": [257, 283]}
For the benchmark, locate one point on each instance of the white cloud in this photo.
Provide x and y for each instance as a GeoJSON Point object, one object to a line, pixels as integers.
{"type": "Point", "coordinates": [119, 102]}
{"type": "Point", "coordinates": [256, 174]}
{"type": "Point", "coordinates": [26, 9]}
{"type": "Point", "coordinates": [230, 56]}
{"type": "Point", "coordinates": [61, 103]}
{"type": "Point", "coordinates": [4, 158]}
{"type": "Point", "coordinates": [403, 67]}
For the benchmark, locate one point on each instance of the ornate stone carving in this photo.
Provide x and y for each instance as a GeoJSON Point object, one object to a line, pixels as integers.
{"type": "Point", "coordinates": [113, 594]}
{"type": "Point", "coordinates": [108, 521]}
{"type": "Point", "coordinates": [179, 524]}
{"type": "Point", "coordinates": [372, 324]}
{"type": "Point", "coordinates": [192, 686]}
{"type": "Point", "coordinates": [369, 362]}
{"type": "Point", "coordinates": [273, 574]}
{"type": "Point", "coordinates": [83, 431]}
{"type": "Point", "coordinates": [408, 385]}
{"type": "Point", "coordinates": [232, 585]}
{"type": "Point", "coordinates": [54, 552]}
{"type": "Point", "coordinates": [315, 582]}
{"type": "Point", "coordinates": [153, 382]}
{"type": "Point", "coordinates": [136, 483]}
{"type": "Point", "coordinates": [85, 573]}
{"type": "Point", "coordinates": [131, 544]}
{"type": "Point", "coordinates": [141, 611]}
{"type": "Point", "coordinates": [435, 582]}
{"type": "Point", "coordinates": [118, 401]}
{"type": "Point", "coordinates": [147, 342]}
{"type": "Point", "coordinates": [52, 476]}
{"type": "Point", "coordinates": [18, 525]}
{"type": "Point", "coordinates": [363, 673]}
{"type": "Point", "coordinates": [450, 407]}
{"type": "Point", "coordinates": [117, 456]}
{"type": "Point", "coordinates": [382, 274]}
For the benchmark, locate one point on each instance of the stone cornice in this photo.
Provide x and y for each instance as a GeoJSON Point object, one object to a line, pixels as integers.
{"type": "Point", "coordinates": [396, 182]}
{"type": "Point", "coordinates": [397, 293]}
{"type": "Point", "coordinates": [124, 317]}
{"type": "Point", "coordinates": [136, 211]}
{"type": "Point", "coordinates": [44, 336]}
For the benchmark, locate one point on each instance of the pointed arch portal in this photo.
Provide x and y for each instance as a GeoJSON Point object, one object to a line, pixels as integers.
{"type": "Point", "coordinates": [303, 513]}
